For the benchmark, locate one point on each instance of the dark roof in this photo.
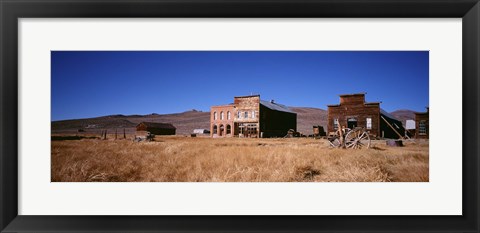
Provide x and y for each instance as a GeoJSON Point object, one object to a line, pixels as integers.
{"type": "Point", "coordinates": [246, 96]}
{"type": "Point", "coordinates": [385, 113]}
{"type": "Point", "coordinates": [158, 125]}
{"type": "Point", "coordinates": [420, 113]}
{"type": "Point", "coordinates": [275, 106]}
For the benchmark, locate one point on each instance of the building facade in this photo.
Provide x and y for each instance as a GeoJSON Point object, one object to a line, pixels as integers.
{"type": "Point", "coordinates": [249, 116]}
{"type": "Point", "coordinates": [221, 121]}
{"type": "Point", "coordinates": [422, 124]}
{"type": "Point", "coordinates": [353, 111]}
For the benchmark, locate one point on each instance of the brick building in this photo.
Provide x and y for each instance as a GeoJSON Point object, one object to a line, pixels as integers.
{"type": "Point", "coordinates": [353, 112]}
{"type": "Point", "coordinates": [221, 120]}
{"type": "Point", "coordinates": [422, 124]}
{"type": "Point", "coordinates": [249, 116]}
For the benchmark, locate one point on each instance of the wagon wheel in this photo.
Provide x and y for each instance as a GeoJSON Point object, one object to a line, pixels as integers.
{"type": "Point", "coordinates": [357, 139]}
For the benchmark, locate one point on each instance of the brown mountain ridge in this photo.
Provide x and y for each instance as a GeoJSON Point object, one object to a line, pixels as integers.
{"type": "Point", "coordinates": [186, 122]}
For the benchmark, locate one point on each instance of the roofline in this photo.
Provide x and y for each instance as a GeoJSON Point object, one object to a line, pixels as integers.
{"type": "Point", "coordinates": [369, 103]}
{"type": "Point", "coordinates": [420, 113]}
{"type": "Point", "coordinates": [245, 96]}
{"type": "Point", "coordinates": [149, 122]}
{"type": "Point", "coordinates": [226, 105]}
{"type": "Point", "coordinates": [283, 106]}
{"type": "Point", "coordinates": [361, 93]}
{"type": "Point", "coordinates": [428, 111]}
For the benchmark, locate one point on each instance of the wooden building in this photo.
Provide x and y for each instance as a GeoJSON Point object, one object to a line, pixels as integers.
{"type": "Point", "coordinates": [422, 124]}
{"type": "Point", "coordinates": [249, 116]}
{"type": "Point", "coordinates": [353, 111]}
{"type": "Point", "coordinates": [156, 128]}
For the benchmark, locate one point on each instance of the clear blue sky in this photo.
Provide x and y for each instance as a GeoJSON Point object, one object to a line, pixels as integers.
{"type": "Point", "coordinates": [95, 83]}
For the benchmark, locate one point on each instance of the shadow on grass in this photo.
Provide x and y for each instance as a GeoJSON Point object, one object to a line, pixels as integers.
{"type": "Point", "coordinates": [65, 138]}
{"type": "Point", "coordinates": [377, 148]}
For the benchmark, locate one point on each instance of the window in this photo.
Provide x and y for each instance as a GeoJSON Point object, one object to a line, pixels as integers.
{"type": "Point", "coordinates": [229, 128]}
{"type": "Point", "coordinates": [228, 115]}
{"type": "Point", "coordinates": [214, 129]}
{"type": "Point", "coordinates": [422, 127]}
{"type": "Point", "coordinates": [221, 115]}
{"type": "Point", "coordinates": [214, 115]}
{"type": "Point", "coordinates": [335, 123]}
{"type": "Point", "coordinates": [222, 129]}
{"type": "Point", "coordinates": [369, 123]}
{"type": "Point", "coordinates": [239, 115]}
{"type": "Point", "coordinates": [253, 114]}
{"type": "Point", "coordinates": [246, 114]}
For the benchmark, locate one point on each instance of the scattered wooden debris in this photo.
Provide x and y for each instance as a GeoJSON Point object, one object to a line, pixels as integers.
{"type": "Point", "coordinates": [318, 132]}
{"type": "Point", "coordinates": [149, 137]}
{"type": "Point", "coordinates": [395, 143]}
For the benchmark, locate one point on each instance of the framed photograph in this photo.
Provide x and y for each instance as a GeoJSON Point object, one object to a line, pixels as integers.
{"type": "Point", "coordinates": [311, 116]}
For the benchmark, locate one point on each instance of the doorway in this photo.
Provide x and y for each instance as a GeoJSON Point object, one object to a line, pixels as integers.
{"type": "Point", "coordinates": [352, 122]}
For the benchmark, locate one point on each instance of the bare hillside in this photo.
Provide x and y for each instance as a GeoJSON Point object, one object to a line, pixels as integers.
{"type": "Point", "coordinates": [308, 117]}
{"type": "Point", "coordinates": [185, 122]}
{"type": "Point", "coordinates": [403, 115]}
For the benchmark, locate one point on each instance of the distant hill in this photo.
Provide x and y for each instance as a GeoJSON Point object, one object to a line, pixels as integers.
{"type": "Point", "coordinates": [308, 117]}
{"type": "Point", "coordinates": [403, 115]}
{"type": "Point", "coordinates": [185, 122]}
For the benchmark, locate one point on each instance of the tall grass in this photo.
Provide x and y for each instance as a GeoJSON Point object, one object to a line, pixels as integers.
{"type": "Point", "coordinates": [182, 159]}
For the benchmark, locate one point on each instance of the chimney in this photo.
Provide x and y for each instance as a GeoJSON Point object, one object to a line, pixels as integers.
{"type": "Point", "coordinates": [272, 101]}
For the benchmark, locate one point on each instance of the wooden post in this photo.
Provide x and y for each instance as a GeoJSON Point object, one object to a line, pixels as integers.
{"type": "Point", "coordinates": [115, 133]}
{"type": "Point", "coordinates": [399, 135]}
{"type": "Point", "coordinates": [105, 135]}
{"type": "Point", "coordinates": [341, 135]}
{"type": "Point", "coordinates": [124, 135]}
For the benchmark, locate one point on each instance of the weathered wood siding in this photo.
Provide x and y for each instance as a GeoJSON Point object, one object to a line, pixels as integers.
{"type": "Point", "coordinates": [354, 106]}
{"type": "Point", "coordinates": [422, 117]}
{"type": "Point", "coordinates": [249, 104]}
{"type": "Point", "coordinates": [141, 127]}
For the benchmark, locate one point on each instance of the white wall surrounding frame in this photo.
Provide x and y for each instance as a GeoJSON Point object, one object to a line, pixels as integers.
{"type": "Point", "coordinates": [441, 196]}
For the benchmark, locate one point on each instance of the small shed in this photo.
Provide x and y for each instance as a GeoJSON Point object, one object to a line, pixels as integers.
{"type": "Point", "coordinates": [201, 131]}
{"type": "Point", "coordinates": [157, 128]}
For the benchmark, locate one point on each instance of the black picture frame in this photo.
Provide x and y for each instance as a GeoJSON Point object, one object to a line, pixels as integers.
{"type": "Point", "coordinates": [11, 11]}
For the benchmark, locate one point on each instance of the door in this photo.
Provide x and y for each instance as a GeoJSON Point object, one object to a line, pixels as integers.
{"type": "Point", "coordinates": [352, 122]}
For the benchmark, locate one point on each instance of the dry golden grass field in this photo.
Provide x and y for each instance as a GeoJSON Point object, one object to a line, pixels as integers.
{"type": "Point", "coordinates": [185, 159]}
